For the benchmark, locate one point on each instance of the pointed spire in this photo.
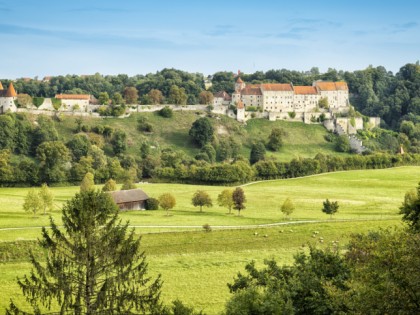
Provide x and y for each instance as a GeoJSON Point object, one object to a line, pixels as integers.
{"type": "Point", "coordinates": [11, 92]}
{"type": "Point", "coordinates": [1, 86]}
{"type": "Point", "coordinates": [239, 80]}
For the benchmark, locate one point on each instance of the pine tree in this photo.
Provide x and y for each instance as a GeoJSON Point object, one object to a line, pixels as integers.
{"type": "Point", "coordinates": [93, 264]}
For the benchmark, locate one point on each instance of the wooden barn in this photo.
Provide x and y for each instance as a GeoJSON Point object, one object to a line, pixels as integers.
{"type": "Point", "coordinates": [133, 199]}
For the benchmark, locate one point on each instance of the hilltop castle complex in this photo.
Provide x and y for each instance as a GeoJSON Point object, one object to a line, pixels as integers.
{"type": "Point", "coordinates": [278, 98]}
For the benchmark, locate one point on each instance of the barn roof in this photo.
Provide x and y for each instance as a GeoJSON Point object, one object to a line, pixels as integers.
{"type": "Point", "coordinates": [123, 196]}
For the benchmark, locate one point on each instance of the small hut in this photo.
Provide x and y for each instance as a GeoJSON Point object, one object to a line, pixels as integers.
{"type": "Point", "coordinates": [133, 199]}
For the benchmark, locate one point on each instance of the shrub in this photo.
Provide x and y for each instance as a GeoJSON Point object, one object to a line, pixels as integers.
{"type": "Point", "coordinates": [292, 114]}
{"type": "Point", "coordinates": [38, 101]}
{"type": "Point", "coordinates": [166, 112]}
{"type": "Point", "coordinates": [206, 227]}
{"type": "Point", "coordinates": [152, 204]}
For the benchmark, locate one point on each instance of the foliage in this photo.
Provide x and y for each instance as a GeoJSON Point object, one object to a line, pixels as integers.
{"type": "Point", "coordinates": [103, 98]}
{"type": "Point", "coordinates": [201, 199]}
{"type": "Point", "coordinates": [292, 114]}
{"type": "Point", "coordinates": [177, 95]}
{"type": "Point", "coordinates": [152, 204]}
{"type": "Point", "coordinates": [275, 139]}
{"type": "Point", "coordinates": [298, 289]}
{"type": "Point", "coordinates": [330, 207]}
{"type": "Point", "coordinates": [46, 198]}
{"type": "Point", "coordinates": [37, 101]}
{"type": "Point", "coordinates": [119, 141]}
{"type": "Point", "coordinates": [257, 152]}
{"type": "Point", "coordinates": [288, 207]}
{"type": "Point", "coordinates": [167, 202]}
{"type": "Point", "coordinates": [323, 103]}
{"type": "Point", "coordinates": [127, 185]}
{"type": "Point", "coordinates": [385, 274]}
{"type": "Point", "coordinates": [32, 202]}
{"type": "Point", "coordinates": [342, 143]}
{"type": "Point", "coordinates": [201, 131]}
{"type": "Point", "coordinates": [155, 96]}
{"type": "Point", "coordinates": [166, 112]}
{"type": "Point", "coordinates": [88, 183]}
{"type": "Point", "coordinates": [410, 209]}
{"type": "Point", "coordinates": [92, 265]}
{"type": "Point", "coordinates": [131, 95]}
{"type": "Point", "coordinates": [117, 99]}
{"type": "Point", "coordinates": [225, 199]}
{"type": "Point", "coordinates": [52, 156]}
{"type": "Point", "coordinates": [24, 100]}
{"type": "Point", "coordinates": [206, 98]}
{"type": "Point", "coordinates": [239, 199]}
{"type": "Point", "coordinates": [110, 185]}
{"type": "Point", "coordinates": [79, 146]}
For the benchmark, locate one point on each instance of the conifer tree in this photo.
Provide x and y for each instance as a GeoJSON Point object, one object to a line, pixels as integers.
{"type": "Point", "coordinates": [93, 264]}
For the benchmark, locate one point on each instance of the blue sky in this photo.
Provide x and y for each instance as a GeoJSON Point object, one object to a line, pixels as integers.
{"type": "Point", "coordinates": [47, 37]}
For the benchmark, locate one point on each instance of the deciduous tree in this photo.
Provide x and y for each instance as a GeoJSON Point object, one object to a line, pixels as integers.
{"type": "Point", "coordinates": [206, 97]}
{"type": "Point", "coordinates": [110, 185]}
{"type": "Point", "coordinates": [32, 202]}
{"type": "Point", "coordinates": [239, 199]}
{"type": "Point", "coordinates": [224, 199]}
{"type": "Point", "coordinates": [88, 182]}
{"type": "Point", "coordinates": [131, 95]}
{"type": "Point", "coordinates": [103, 98]}
{"type": "Point", "coordinates": [257, 152]}
{"type": "Point", "coordinates": [410, 209]}
{"type": "Point", "coordinates": [330, 207]}
{"type": "Point", "coordinates": [201, 131]}
{"type": "Point", "coordinates": [155, 96]}
{"type": "Point", "coordinates": [46, 198]}
{"type": "Point", "coordinates": [275, 140]}
{"type": "Point", "coordinates": [167, 202]}
{"type": "Point", "coordinates": [288, 207]}
{"type": "Point", "coordinates": [201, 199]}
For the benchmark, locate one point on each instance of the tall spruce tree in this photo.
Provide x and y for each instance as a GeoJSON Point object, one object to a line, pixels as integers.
{"type": "Point", "coordinates": [93, 264]}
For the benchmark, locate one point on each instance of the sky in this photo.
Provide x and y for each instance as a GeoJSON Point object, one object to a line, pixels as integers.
{"type": "Point", "coordinates": [44, 37]}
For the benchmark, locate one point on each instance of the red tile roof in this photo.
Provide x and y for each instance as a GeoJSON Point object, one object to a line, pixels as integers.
{"type": "Point", "coordinates": [332, 86]}
{"type": "Point", "coordinates": [277, 87]}
{"type": "Point", "coordinates": [251, 90]}
{"type": "Point", "coordinates": [72, 96]}
{"type": "Point", "coordinates": [11, 92]}
{"type": "Point", "coordinates": [342, 86]}
{"type": "Point", "coordinates": [239, 80]}
{"type": "Point", "coordinates": [305, 90]}
{"type": "Point", "coordinates": [1, 86]}
{"type": "Point", "coordinates": [240, 105]}
{"type": "Point", "coordinates": [224, 95]}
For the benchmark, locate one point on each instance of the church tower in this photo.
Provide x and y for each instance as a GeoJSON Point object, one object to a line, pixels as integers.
{"type": "Point", "coordinates": [239, 85]}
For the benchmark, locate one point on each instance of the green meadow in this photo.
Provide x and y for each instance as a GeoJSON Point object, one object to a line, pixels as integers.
{"type": "Point", "coordinates": [196, 265]}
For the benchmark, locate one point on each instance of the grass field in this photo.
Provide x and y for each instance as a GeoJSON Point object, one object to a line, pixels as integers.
{"type": "Point", "coordinates": [196, 265]}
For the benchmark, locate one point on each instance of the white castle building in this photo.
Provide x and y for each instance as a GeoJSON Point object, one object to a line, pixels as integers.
{"type": "Point", "coordinates": [7, 99]}
{"type": "Point", "coordinates": [279, 97]}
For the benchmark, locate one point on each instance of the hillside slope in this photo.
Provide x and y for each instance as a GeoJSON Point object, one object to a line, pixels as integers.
{"type": "Point", "coordinates": [299, 139]}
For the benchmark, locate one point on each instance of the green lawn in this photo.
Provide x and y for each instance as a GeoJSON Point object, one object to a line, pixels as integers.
{"type": "Point", "coordinates": [196, 265]}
